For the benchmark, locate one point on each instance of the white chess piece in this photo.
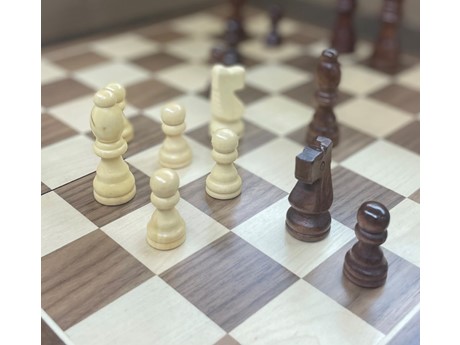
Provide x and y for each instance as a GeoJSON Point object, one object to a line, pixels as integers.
{"type": "Point", "coordinates": [226, 108]}
{"type": "Point", "coordinates": [224, 182]}
{"type": "Point", "coordinates": [114, 183]}
{"type": "Point", "coordinates": [120, 93]}
{"type": "Point", "coordinates": [175, 153]}
{"type": "Point", "coordinates": [166, 228]}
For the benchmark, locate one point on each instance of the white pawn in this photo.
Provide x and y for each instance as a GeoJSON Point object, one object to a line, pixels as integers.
{"type": "Point", "coordinates": [114, 183]}
{"type": "Point", "coordinates": [120, 93]}
{"type": "Point", "coordinates": [166, 228]}
{"type": "Point", "coordinates": [175, 153]}
{"type": "Point", "coordinates": [224, 182]}
{"type": "Point", "coordinates": [226, 108]}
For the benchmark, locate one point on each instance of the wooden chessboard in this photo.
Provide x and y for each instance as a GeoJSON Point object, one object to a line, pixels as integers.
{"type": "Point", "coordinates": [239, 278]}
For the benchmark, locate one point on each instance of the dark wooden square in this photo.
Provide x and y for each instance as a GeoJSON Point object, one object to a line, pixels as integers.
{"type": "Point", "coordinates": [257, 194]}
{"type": "Point", "coordinates": [157, 61]}
{"type": "Point", "coordinates": [383, 307]}
{"type": "Point", "coordinates": [409, 334]}
{"type": "Point", "coordinates": [79, 61]}
{"type": "Point", "coordinates": [405, 61]}
{"type": "Point", "coordinates": [415, 196]}
{"type": "Point", "coordinates": [62, 91]}
{"type": "Point", "coordinates": [54, 130]}
{"type": "Point", "coordinates": [85, 275]}
{"type": "Point", "coordinates": [305, 94]}
{"type": "Point", "coordinates": [229, 280]}
{"type": "Point", "coordinates": [400, 97]}
{"type": "Point", "coordinates": [408, 137]}
{"type": "Point", "coordinates": [351, 190]}
{"type": "Point", "coordinates": [248, 95]}
{"type": "Point", "coordinates": [301, 37]}
{"type": "Point", "coordinates": [253, 137]}
{"type": "Point", "coordinates": [150, 92]}
{"type": "Point", "coordinates": [48, 336]}
{"type": "Point", "coordinates": [160, 33]}
{"type": "Point", "coordinates": [79, 194]}
{"type": "Point", "coordinates": [306, 63]}
{"type": "Point", "coordinates": [45, 189]}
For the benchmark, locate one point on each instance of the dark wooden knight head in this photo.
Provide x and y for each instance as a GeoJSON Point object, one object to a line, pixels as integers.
{"type": "Point", "coordinates": [312, 161]}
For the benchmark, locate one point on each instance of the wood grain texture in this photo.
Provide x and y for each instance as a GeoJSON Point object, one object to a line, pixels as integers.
{"type": "Point", "coordinates": [227, 340]}
{"type": "Point", "coordinates": [305, 94]}
{"type": "Point", "coordinates": [160, 33]}
{"type": "Point", "coordinates": [157, 61]}
{"type": "Point", "coordinates": [79, 194]}
{"type": "Point", "coordinates": [54, 130]}
{"type": "Point", "coordinates": [229, 280]}
{"type": "Point", "coordinates": [147, 133]}
{"type": "Point", "coordinates": [45, 189]}
{"type": "Point", "coordinates": [62, 91]}
{"type": "Point", "coordinates": [409, 334]}
{"type": "Point", "coordinates": [48, 337]}
{"type": "Point", "coordinates": [304, 62]}
{"type": "Point", "coordinates": [408, 137]}
{"type": "Point", "coordinates": [351, 190]}
{"type": "Point", "coordinates": [416, 196]}
{"type": "Point", "coordinates": [256, 195]}
{"type": "Point", "coordinates": [253, 137]}
{"type": "Point", "coordinates": [400, 97]}
{"type": "Point", "coordinates": [85, 275]}
{"type": "Point", "coordinates": [150, 92]}
{"type": "Point", "coordinates": [79, 61]}
{"type": "Point", "coordinates": [383, 307]}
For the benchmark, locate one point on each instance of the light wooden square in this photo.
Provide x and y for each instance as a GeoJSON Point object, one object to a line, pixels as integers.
{"type": "Point", "coordinates": [124, 46]}
{"type": "Point", "coordinates": [404, 231]}
{"type": "Point", "coordinates": [258, 50]}
{"type": "Point", "coordinates": [67, 160]}
{"type": "Point", "coordinates": [187, 77]}
{"type": "Point", "coordinates": [130, 232]}
{"type": "Point", "coordinates": [51, 72]}
{"type": "Point", "coordinates": [199, 24]}
{"type": "Point", "coordinates": [372, 117]}
{"type": "Point", "coordinates": [191, 49]}
{"type": "Point", "coordinates": [323, 321]}
{"type": "Point", "coordinates": [276, 78]}
{"type": "Point", "coordinates": [274, 162]}
{"type": "Point", "coordinates": [197, 111]}
{"type": "Point", "coordinates": [410, 78]}
{"type": "Point", "coordinates": [147, 161]}
{"type": "Point", "coordinates": [267, 232]}
{"type": "Point", "coordinates": [100, 75]}
{"type": "Point", "coordinates": [389, 165]}
{"type": "Point", "coordinates": [362, 80]}
{"type": "Point", "coordinates": [152, 313]}
{"type": "Point", "coordinates": [279, 114]}
{"type": "Point", "coordinates": [60, 223]}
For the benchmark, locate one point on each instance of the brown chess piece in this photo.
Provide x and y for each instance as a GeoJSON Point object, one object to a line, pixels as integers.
{"type": "Point", "coordinates": [273, 38]}
{"type": "Point", "coordinates": [328, 76]}
{"type": "Point", "coordinates": [236, 18]}
{"type": "Point", "coordinates": [308, 219]}
{"type": "Point", "coordinates": [231, 55]}
{"type": "Point", "coordinates": [343, 34]}
{"type": "Point", "coordinates": [365, 265]}
{"type": "Point", "coordinates": [385, 56]}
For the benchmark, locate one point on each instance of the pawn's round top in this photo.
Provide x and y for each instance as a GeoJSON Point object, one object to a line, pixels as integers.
{"type": "Point", "coordinates": [373, 217]}
{"type": "Point", "coordinates": [329, 54]}
{"type": "Point", "coordinates": [173, 114]}
{"type": "Point", "coordinates": [105, 99]}
{"type": "Point", "coordinates": [224, 140]}
{"type": "Point", "coordinates": [164, 183]}
{"type": "Point", "coordinates": [118, 90]}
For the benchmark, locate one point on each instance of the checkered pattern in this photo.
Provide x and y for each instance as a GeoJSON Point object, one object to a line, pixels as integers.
{"type": "Point", "coordinates": [239, 278]}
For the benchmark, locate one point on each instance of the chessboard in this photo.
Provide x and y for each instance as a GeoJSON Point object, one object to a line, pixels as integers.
{"type": "Point", "coordinates": [239, 278]}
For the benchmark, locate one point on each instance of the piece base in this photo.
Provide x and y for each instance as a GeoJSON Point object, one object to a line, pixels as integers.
{"type": "Point", "coordinates": [115, 201]}
{"type": "Point", "coordinates": [223, 196]}
{"type": "Point", "coordinates": [308, 236]}
{"type": "Point", "coordinates": [361, 279]}
{"type": "Point", "coordinates": [166, 246]}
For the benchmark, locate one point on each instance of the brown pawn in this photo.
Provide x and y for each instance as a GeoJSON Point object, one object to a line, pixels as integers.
{"type": "Point", "coordinates": [328, 76]}
{"type": "Point", "coordinates": [308, 219]}
{"type": "Point", "coordinates": [236, 19]}
{"type": "Point", "coordinates": [273, 38]}
{"type": "Point", "coordinates": [386, 49]}
{"type": "Point", "coordinates": [365, 264]}
{"type": "Point", "coordinates": [343, 35]}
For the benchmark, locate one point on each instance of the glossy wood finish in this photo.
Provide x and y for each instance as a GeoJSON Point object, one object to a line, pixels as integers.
{"type": "Point", "coordinates": [308, 219]}
{"type": "Point", "coordinates": [231, 280]}
{"type": "Point", "coordinates": [85, 275]}
{"type": "Point", "coordinates": [328, 76]}
{"type": "Point", "coordinates": [343, 34]}
{"type": "Point", "coordinates": [387, 46]}
{"type": "Point", "coordinates": [256, 195]}
{"type": "Point", "coordinates": [365, 265]}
